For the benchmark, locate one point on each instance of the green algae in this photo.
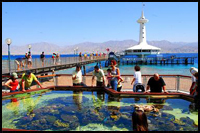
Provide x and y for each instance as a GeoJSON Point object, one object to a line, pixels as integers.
{"type": "Point", "coordinates": [178, 114]}
{"type": "Point", "coordinates": [58, 123]}
{"type": "Point", "coordinates": [99, 127]}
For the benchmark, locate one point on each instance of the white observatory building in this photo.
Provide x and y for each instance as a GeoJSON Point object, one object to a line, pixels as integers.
{"type": "Point", "coordinates": [142, 48]}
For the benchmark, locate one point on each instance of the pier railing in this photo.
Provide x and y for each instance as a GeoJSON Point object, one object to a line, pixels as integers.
{"type": "Point", "coordinates": [158, 60]}
{"type": "Point", "coordinates": [174, 83]}
{"type": "Point", "coordinates": [37, 62]}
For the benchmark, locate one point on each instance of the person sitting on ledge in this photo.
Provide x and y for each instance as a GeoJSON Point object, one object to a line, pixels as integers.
{"type": "Point", "coordinates": [27, 79]}
{"type": "Point", "coordinates": [156, 83]}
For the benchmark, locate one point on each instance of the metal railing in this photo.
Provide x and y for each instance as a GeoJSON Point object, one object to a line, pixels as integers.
{"type": "Point", "coordinates": [37, 62]}
{"type": "Point", "coordinates": [174, 83]}
{"type": "Point", "coordinates": [177, 60]}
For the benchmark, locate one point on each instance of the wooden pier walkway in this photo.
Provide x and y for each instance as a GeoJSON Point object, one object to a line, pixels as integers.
{"type": "Point", "coordinates": [37, 68]}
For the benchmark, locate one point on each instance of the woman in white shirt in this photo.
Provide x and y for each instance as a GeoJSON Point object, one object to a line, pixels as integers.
{"type": "Point", "coordinates": [77, 76]}
{"type": "Point", "coordinates": [137, 79]}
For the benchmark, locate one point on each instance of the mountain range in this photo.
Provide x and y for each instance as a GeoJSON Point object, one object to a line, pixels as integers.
{"type": "Point", "coordinates": [88, 47]}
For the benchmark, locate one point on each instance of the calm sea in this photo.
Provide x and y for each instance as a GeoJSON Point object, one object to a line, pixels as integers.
{"type": "Point", "coordinates": [171, 69]}
{"type": "Point", "coordinates": [175, 69]}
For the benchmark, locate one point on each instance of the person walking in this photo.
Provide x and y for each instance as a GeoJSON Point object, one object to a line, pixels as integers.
{"type": "Point", "coordinates": [42, 58]}
{"type": "Point", "coordinates": [54, 58]}
{"type": "Point", "coordinates": [26, 59]}
{"type": "Point", "coordinates": [80, 56]}
{"type": "Point", "coordinates": [29, 60]}
{"type": "Point", "coordinates": [57, 59]}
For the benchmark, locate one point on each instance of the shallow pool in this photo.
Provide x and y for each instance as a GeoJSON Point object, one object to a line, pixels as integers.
{"type": "Point", "coordinates": [92, 111]}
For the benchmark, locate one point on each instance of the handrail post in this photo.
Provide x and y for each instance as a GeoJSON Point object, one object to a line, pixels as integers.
{"type": "Point", "coordinates": [55, 79]}
{"type": "Point", "coordinates": [178, 83]}
{"type": "Point", "coordinates": [65, 60]}
{"type": "Point", "coordinates": [145, 80]}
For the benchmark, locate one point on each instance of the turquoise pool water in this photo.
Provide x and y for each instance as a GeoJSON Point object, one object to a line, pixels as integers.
{"type": "Point", "coordinates": [92, 111]}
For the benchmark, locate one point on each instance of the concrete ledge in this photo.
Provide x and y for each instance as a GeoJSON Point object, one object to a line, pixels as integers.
{"type": "Point", "coordinates": [7, 129]}
{"type": "Point", "coordinates": [110, 91]}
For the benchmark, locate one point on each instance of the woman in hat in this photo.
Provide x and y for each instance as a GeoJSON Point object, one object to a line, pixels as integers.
{"type": "Point", "coordinates": [12, 83]}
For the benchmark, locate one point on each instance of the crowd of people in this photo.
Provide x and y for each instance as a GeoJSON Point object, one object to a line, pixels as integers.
{"type": "Point", "coordinates": [26, 61]}
{"type": "Point", "coordinates": [90, 56]}
{"type": "Point", "coordinates": [22, 62]}
{"type": "Point", "coordinates": [114, 79]}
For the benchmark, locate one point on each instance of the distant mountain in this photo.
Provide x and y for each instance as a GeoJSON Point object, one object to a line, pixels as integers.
{"type": "Point", "coordinates": [88, 47]}
{"type": "Point", "coordinates": [36, 48]}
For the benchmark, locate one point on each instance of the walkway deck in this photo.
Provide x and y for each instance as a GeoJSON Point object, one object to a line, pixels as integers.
{"type": "Point", "coordinates": [49, 65]}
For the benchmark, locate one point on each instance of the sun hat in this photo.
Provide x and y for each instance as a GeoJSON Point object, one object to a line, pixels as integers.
{"type": "Point", "coordinates": [14, 75]}
{"type": "Point", "coordinates": [193, 70]}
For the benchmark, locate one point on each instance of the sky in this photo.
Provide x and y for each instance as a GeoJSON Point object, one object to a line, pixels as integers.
{"type": "Point", "coordinates": [67, 23]}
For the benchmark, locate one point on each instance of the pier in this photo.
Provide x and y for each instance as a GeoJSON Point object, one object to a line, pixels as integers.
{"type": "Point", "coordinates": [50, 65]}
{"type": "Point", "coordinates": [155, 61]}
{"type": "Point", "coordinates": [125, 60]}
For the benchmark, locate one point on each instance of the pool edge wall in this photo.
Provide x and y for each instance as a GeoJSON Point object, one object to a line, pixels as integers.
{"type": "Point", "coordinates": [106, 90]}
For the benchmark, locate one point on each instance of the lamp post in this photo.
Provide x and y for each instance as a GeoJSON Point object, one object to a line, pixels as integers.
{"type": "Point", "coordinates": [29, 46]}
{"type": "Point", "coordinates": [8, 42]}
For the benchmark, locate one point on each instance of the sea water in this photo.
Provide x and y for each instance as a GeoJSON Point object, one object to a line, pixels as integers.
{"type": "Point", "coordinates": [171, 69]}
{"type": "Point", "coordinates": [167, 69]}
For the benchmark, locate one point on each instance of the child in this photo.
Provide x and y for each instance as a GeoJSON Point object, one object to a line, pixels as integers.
{"type": "Point", "coordinates": [119, 85]}
{"type": "Point", "coordinates": [109, 77]}
{"type": "Point", "coordinates": [137, 79]}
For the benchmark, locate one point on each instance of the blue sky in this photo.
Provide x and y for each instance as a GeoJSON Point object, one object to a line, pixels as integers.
{"type": "Point", "coordinates": [65, 23]}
